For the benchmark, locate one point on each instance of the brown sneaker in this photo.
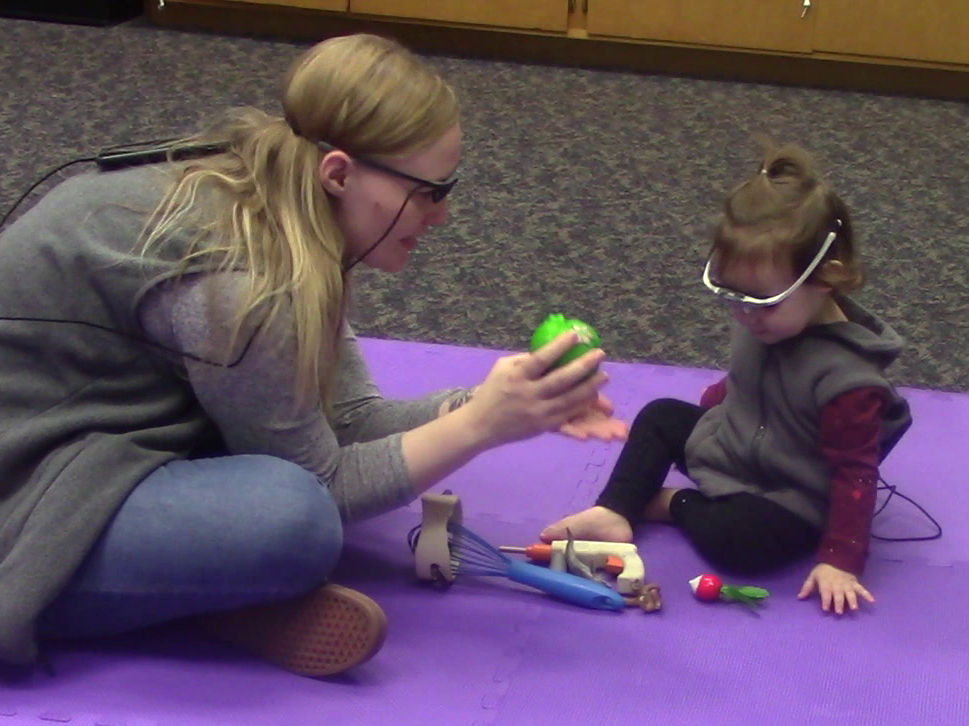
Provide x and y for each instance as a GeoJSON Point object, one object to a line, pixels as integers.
{"type": "Point", "coordinates": [322, 633]}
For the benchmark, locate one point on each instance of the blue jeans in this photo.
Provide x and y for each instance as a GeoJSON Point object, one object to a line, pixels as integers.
{"type": "Point", "coordinates": [201, 536]}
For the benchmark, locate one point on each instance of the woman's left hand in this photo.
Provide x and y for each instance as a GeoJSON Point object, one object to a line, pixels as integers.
{"type": "Point", "coordinates": [835, 587]}
{"type": "Point", "coordinates": [596, 422]}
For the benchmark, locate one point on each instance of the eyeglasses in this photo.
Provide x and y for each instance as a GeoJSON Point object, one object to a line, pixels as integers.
{"type": "Point", "coordinates": [438, 189]}
{"type": "Point", "coordinates": [750, 301]}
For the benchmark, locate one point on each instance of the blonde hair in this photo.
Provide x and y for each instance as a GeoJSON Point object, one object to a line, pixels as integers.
{"type": "Point", "coordinates": [784, 213]}
{"type": "Point", "coordinates": [361, 93]}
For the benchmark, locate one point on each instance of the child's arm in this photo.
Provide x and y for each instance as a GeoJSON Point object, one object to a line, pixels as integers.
{"type": "Point", "coordinates": [850, 442]}
{"type": "Point", "coordinates": [713, 395]}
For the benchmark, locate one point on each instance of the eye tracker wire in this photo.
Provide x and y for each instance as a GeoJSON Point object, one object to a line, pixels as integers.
{"type": "Point", "coordinates": [893, 491]}
{"type": "Point", "coordinates": [171, 149]}
{"type": "Point", "coordinates": [153, 152]}
{"type": "Point", "coordinates": [118, 157]}
{"type": "Point", "coordinates": [159, 150]}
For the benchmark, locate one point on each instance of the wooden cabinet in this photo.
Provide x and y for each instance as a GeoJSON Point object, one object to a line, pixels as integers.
{"type": "Point", "coordinates": [340, 5]}
{"type": "Point", "coordinates": [778, 25]}
{"type": "Point", "coordinates": [899, 46]}
{"type": "Point", "coordinates": [551, 15]}
{"type": "Point", "coordinates": [925, 30]}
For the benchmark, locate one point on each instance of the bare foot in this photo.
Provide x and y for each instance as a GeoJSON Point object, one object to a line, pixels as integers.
{"type": "Point", "coordinates": [596, 523]}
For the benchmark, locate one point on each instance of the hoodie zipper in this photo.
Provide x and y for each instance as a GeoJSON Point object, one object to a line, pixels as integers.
{"type": "Point", "coordinates": [761, 431]}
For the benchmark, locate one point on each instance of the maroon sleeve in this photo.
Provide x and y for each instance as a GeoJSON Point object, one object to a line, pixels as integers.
{"type": "Point", "coordinates": [850, 434]}
{"type": "Point", "coordinates": [714, 394]}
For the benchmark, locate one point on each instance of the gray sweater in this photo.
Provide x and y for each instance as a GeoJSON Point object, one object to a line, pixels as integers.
{"type": "Point", "coordinates": [96, 389]}
{"type": "Point", "coordinates": [764, 437]}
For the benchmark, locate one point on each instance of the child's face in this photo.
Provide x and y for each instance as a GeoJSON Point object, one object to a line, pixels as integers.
{"type": "Point", "coordinates": [764, 278]}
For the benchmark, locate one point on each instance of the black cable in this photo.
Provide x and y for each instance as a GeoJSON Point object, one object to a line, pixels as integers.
{"type": "Point", "coordinates": [413, 536]}
{"type": "Point", "coordinates": [161, 149]}
{"type": "Point", "coordinates": [134, 338]}
{"type": "Point", "coordinates": [116, 157]}
{"type": "Point", "coordinates": [128, 153]}
{"type": "Point", "coordinates": [122, 155]}
{"type": "Point", "coordinates": [40, 181]}
{"type": "Point", "coordinates": [386, 232]}
{"type": "Point", "coordinates": [142, 144]}
{"type": "Point", "coordinates": [111, 158]}
{"type": "Point", "coordinates": [893, 490]}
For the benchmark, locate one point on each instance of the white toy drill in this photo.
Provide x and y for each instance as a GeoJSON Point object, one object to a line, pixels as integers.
{"type": "Point", "coordinates": [618, 558]}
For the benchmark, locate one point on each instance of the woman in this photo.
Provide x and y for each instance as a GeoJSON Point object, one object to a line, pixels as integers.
{"type": "Point", "coordinates": [186, 420]}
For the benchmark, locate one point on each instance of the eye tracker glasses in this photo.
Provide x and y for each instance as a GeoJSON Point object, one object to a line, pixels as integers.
{"type": "Point", "coordinates": [750, 301]}
{"type": "Point", "coordinates": [438, 189]}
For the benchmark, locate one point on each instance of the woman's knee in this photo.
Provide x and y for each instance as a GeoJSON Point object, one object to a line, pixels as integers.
{"type": "Point", "coordinates": [294, 518]}
{"type": "Point", "coordinates": [306, 518]}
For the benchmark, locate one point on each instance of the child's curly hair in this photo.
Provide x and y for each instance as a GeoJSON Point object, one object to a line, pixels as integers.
{"type": "Point", "coordinates": [784, 213]}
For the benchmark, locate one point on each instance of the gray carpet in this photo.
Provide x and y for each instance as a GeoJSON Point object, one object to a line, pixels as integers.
{"type": "Point", "coordinates": [584, 192]}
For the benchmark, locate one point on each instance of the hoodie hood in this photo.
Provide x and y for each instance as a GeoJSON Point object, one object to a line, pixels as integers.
{"type": "Point", "coordinates": [863, 332]}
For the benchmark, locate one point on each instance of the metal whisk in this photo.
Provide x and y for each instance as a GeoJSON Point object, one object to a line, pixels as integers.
{"type": "Point", "coordinates": [472, 555]}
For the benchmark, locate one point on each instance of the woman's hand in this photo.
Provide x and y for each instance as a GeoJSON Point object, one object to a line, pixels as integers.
{"type": "Point", "coordinates": [523, 396]}
{"type": "Point", "coordinates": [596, 422]}
{"type": "Point", "coordinates": [835, 587]}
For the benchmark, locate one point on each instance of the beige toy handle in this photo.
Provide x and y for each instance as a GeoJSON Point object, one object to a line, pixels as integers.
{"type": "Point", "coordinates": [594, 554]}
{"type": "Point", "coordinates": [432, 555]}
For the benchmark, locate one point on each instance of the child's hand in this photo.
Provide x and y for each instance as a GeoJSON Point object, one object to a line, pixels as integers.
{"type": "Point", "coordinates": [834, 586]}
{"type": "Point", "coordinates": [597, 422]}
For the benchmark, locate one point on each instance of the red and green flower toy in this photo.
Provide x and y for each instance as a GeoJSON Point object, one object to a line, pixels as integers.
{"type": "Point", "coordinates": [710, 588]}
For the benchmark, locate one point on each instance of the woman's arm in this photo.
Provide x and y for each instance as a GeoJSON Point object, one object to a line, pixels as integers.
{"type": "Point", "coordinates": [361, 413]}
{"type": "Point", "coordinates": [446, 430]}
{"type": "Point", "coordinates": [522, 396]}
{"type": "Point", "coordinates": [254, 406]}
{"type": "Point", "coordinates": [253, 403]}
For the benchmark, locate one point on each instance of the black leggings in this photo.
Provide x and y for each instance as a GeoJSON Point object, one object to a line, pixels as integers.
{"type": "Point", "coordinates": [742, 533]}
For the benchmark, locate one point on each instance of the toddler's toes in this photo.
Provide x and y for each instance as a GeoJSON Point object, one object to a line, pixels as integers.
{"type": "Point", "coordinates": [555, 531]}
{"type": "Point", "coordinates": [597, 524]}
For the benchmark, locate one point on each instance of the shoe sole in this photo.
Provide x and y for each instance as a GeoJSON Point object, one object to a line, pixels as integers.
{"type": "Point", "coordinates": [322, 633]}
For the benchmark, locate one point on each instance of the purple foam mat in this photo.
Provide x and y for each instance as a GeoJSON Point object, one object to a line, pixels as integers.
{"type": "Point", "coordinates": [487, 652]}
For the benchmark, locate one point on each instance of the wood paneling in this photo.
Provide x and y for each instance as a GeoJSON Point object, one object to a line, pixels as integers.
{"type": "Point", "coordinates": [831, 70]}
{"type": "Point", "coordinates": [343, 5]}
{"type": "Point", "coordinates": [928, 30]}
{"type": "Point", "coordinates": [757, 24]}
{"type": "Point", "coordinates": [525, 14]}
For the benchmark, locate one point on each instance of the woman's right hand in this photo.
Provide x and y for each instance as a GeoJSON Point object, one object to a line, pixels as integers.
{"type": "Point", "coordinates": [524, 396]}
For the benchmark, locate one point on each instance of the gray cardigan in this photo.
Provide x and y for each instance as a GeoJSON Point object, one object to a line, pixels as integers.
{"type": "Point", "coordinates": [95, 392]}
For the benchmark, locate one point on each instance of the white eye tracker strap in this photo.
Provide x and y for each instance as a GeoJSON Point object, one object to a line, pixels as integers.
{"type": "Point", "coordinates": [740, 298]}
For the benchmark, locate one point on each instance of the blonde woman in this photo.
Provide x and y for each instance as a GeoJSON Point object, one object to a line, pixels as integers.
{"type": "Point", "coordinates": [186, 420]}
